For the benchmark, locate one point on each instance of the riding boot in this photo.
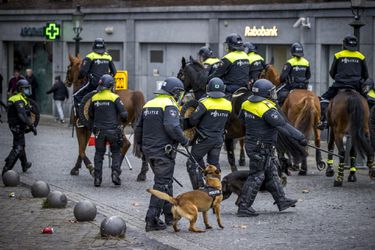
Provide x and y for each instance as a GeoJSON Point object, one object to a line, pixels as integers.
{"type": "Point", "coordinates": [195, 175]}
{"type": "Point", "coordinates": [167, 208]}
{"type": "Point", "coordinates": [323, 124]}
{"type": "Point", "coordinates": [116, 168]}
{"type": "Point", "coordinates": [277, 192]}
{"type": "Point", "coordinates": [98, 168]}
{"type": "Point", "coordinates": [249, 192]}
{"type": "Point", "coordinates": [11, 160]}
{"type": "Point", "coordinates": [24, 163]}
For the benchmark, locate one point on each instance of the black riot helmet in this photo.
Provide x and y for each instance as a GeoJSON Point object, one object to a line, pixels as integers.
{"type": "Point", "coordinates": [24, 87]}
{"type": "Point", "coordinates": [233, 42]}
{"type": "Point", "coordinates": [296, 49]}
{"type": "Point", "coordinates": [350, 43]}
{"type": "Point", "coordinates": [99, 46]}
{"type": "Point", "coordinates": [215, 88]}
{"type": "Point", "coordinates": [250, 47]}
{"type": "Point", "coordinates": [106, 82]}
{"type": "Point", "coordinates": [262, 90]}
{"type": "Point", "coordinates": [204, 53]}
{"type": "Point", "coordinates": [171, 86]}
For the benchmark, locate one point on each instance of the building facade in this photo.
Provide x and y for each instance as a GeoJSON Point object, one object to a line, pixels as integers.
{"type": "Point", "coordinates": [149, 42]}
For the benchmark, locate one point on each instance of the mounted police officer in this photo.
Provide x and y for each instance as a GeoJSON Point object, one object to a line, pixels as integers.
{"type": "Point", "coordinates": [209, 118]}
{"type": "Point", "coordinates": [159, 126]}
{"type": "Point", "coordinates": [348, 69]}
{"type": "Point", "coordinates": [205, 56]}
{"type": "Point", "coordinates": [295, 74]}
{"type": "Point", "coordinates": [19, 119]}
{"type": "Point", "coordinates": [257, 64]}
{"type": "Point", "coordinates": [94, 65]}
{"type": "Point", "coordinates": [104, 110]}
{"type": "Point", "coordinates": [262, 123]}
{"type": "Point", "coordinates": [234, 70]}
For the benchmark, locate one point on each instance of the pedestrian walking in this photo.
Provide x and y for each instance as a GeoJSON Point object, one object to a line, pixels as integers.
{"type": "Point", "coordinates": [60, 93]}
{"type": "Point", "coordinates": [12, 85]}
{"type": "Point", "coordinates": [34, 84]}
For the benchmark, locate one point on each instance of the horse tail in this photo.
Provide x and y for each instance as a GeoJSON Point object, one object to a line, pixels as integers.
{"type": "Point", "coordinates": [138, 100]}
{"type": "Point", "coordinates": [356, 111]}
{"type": "Point", "coordinates": [307, 116]}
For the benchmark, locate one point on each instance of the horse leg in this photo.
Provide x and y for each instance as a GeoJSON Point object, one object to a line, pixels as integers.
{"type": "Point", "coordinates": [331, 144]}
{"type": "Point", "coordinates": [142, 175]}
{"type": "Point", "coordinates": [340, 171]}
{"type": "Point", "coordinates": [77, 166]}
{"type": "Point", "coordinates": [124, 148]}
{"type": "Point", "coordinates": [353, 169]}
{"type": "Point", "coordinates": [242, 161]}
{"type": "Point", "coordinates": [320, 164]}
{"type": "Point", "coordinates": [84, 138]}
{"type": "Point", "coordinates": [303, 170]}
{"type": "Point", "coordinates": [371, 166]}
{"type": "Point", "coordinates": [230, 152]}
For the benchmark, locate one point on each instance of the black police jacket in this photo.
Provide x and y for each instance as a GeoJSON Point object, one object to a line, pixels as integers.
{"type": "Point", "coordinates": [234, 70]}
{"type": "Point", "coordinates": [19, 110]}
{"type": "Point", "coordinates": [348, 69]}
{"type": "Point", "coordinates": [256, 65]}
{"type": "Point", "coordinates": [104, 110]}
{"type": "Point", "coordinates": [263, 122]}
{"type": "Point", "coordinates": [211, 63]}
{"type": "Point", "coordinates": [211, 116]}
{"type": "Point", "coordinates": [94, 65]}
{"type": "Point", "coordinates": [296, 71]}
{"type": "Point", "coordinates": [158, 126]}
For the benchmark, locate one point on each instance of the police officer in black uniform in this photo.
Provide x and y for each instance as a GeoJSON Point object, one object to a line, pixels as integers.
{"type": "Point", "coordinates": [257, 64]}
{"type": "Point", "coordinates": [94, 65]}
{"type": "Point", "coordinates": [205, 56]}
{"type": "Point", "coordinates": [209, 118]}
{"type": "Point", "coordinates": [348, 69]}
{"type": "Point", "coordinates": [19, 119]}
{"type": "Point", "coordinates": [104, 110]}
{"type": "Point", "coordinates": [235, 66]}
{"type": "Point", "coordinates": [263, 122]}
{"type": "Point", "coordinates": [295, 74]}
{"type": "Point", "coordinates": [159, 126]}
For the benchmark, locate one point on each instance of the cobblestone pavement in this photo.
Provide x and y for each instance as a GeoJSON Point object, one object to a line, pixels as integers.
{"type": "Point", "coordinates": [325, 217]}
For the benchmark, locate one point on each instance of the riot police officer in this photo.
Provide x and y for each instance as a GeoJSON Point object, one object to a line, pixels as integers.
{"type": "Point", "coordinates": [94, 65]}
{"type": "Point", "coordinates": [209, 118]}
{"type": "Point", "coordinates": [348, 69]}
{"type": "Point", "coordinates": [205, 56]}
{"type": "Point", "coordinates": [159, 126]}
{"type": "Point", "coordinates": [296, 72]}
{"type": "Point", "coordinates": [234, 70]}
{"type": "Point", "coordinates": [262, 123]}
{"type": "Point", "coordinates": [103, 111]}
{"type": "Point", "coordinates": [257, 64]}
{"type": "Point", "coordinates": [19, 119]}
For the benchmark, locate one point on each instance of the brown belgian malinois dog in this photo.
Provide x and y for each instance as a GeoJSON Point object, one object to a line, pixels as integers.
{"type": "Point", "coordinates": [201, 200]}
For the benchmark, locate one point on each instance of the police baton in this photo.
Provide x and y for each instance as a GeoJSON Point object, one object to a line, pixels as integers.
{"type": "Point", "coordinates": [325, 151]}
{"type": "Point", "coordinates": [280, 88]}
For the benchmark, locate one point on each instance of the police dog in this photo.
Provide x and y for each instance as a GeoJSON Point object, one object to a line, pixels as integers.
{"type": "Point", "coordinates": [190, 203]}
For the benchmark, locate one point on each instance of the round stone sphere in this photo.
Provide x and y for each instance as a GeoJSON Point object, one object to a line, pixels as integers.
{"type": "Point", "coordinates": [56, 199]}
{"type": "Point", "coordinates": [113, 226]}
{"type": "Point", "coordinates": [11, 178]}
{"type": "Point", "coordinates": [40, 189]}
{"type": "Point", "coordinates": [85, 211]}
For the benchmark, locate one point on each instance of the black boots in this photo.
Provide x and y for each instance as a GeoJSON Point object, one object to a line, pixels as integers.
{"type": "Point", "coordinates": [116, 178]}
{"type": "Point", "coordinates": [323, 124]}
{"type": "Point", "coordinates": [285, 203]}
{"type": "Point", "coordinates": [249, 192]}
{"type": "Point", "coordinates": [24, 163]}
{"type": "Point", "coordinates": [244, 211]}
{"type": "Point", "coordinates": [97, 181]}
{"type": "Point", "coordinates": [274, 187]}
{"type": "Point", "coordinates": [155, 224]}
{"type": "Point", "coordinates": [11, 160]}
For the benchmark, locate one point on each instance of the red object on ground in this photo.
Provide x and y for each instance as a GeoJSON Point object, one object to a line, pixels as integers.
{"type": "Point", "coordinates": [48, 230]}
{"type": "Point", "coordinates": [92, 140]}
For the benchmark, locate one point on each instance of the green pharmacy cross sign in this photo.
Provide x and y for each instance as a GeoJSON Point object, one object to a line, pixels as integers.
{"type": "Point", "coordinates": [52, 31]}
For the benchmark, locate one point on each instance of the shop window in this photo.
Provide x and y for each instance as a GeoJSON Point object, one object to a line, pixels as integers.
{"type": "Point", "coordinates": [156, 56]}
{"type": "Point", "coordinates": [115, 53]}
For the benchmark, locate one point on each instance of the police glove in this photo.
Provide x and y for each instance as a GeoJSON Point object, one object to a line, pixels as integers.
{"type": "Point", "coordinates": [303, 142]}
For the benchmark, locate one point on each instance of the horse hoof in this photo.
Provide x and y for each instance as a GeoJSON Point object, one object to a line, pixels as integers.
{"type": "Point", "coordinates": [337, 183]}
{"type": "Point", "coordinates": [321, 165]}
{"type": "Point", "coordinates": [330, 172]}
{"type": "Point", "coordinates": [233, 168]}
{"type": "Point", "coordinates": [141, 177]}
{"type": "Point", "coordinates": [352, 178]}
{"type": "Point", "coordinates": [90, 168]}
{"type": "Point", "coordinates": [74, 171]}
{"type": "Point", "coordinates": [242, 162]}
{"type": "Point", "coordinates": [302, 173]}
{"type": "Point", "coordinates": [371, 173]}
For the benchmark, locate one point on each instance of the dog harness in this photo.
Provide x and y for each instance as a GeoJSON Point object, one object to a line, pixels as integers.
{"type": "Point", "coordinates": [212, 192]}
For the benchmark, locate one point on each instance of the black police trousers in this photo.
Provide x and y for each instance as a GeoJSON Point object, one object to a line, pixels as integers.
{"type": "Point", "coordinates": [18, 149]}
{"type": "Point", "coordinates": [210, 147]}
{"type": "Point", "coordinates": [284, 92]}
{"type": "Point", "coordinates": [333, 90]}
{"type": "Point", "coordinates": [263, 168]}
{"type": "Point", "coordinates": [114, 138]}
{"type": "Point", "coordinates": [84, 90]}
{"type": "Point", "coordinates": [163, 168]}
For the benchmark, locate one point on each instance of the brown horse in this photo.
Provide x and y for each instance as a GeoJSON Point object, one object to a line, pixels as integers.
{"type": "Point", "coordinates": [133, 102]}
{"type": "Point", "coordinates": [348, 113]}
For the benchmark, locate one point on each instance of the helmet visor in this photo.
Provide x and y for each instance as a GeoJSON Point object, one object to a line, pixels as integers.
{"type": "Point", "coordinates": [26, 91]}
{"type": "Point", "coordinates": [273, 94]}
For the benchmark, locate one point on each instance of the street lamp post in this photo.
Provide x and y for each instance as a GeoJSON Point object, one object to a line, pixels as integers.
{"type": "Point", "coordinates": [77, 20]}
{"type": "Point", "coordinates": [357, 7]}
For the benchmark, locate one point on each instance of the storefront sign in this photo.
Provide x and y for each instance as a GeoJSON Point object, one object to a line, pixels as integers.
{"type": "Point", "coordinates": [121, 79]}
{"type": "Point", "coordinates": [32, 31]}
{"type": "Point", "coordinates": [52, 31]}
{"type": "Point", "coordinates": [255, 31]}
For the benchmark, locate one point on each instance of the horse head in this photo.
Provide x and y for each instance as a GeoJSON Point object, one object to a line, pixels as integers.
{"type": "Point", "coordinates": [270, 73]}
{"type": "Point", "coordinates": [72, 72]}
